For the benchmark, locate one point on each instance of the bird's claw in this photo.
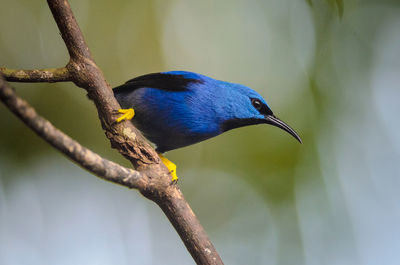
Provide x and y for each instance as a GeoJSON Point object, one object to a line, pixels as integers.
{"type": "Point", "coordinates": [171, 167]}
{"type": "Point", "coordinates": [128, 114]}
{"type": "Point", "coordinates": [174, 176]}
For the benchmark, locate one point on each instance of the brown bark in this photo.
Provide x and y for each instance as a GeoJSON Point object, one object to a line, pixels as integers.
{"type": "Point", "coordinates": [152, 178]}
{"type": "Point", "coordinates": [33, 76]}
{"type": "Point", "coordinates": [87, 159]}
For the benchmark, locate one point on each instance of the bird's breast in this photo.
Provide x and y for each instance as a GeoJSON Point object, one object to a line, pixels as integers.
{"type": "Point", "coordinates": [174, 120]}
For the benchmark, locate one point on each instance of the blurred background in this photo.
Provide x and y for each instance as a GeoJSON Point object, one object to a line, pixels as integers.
{"type": "Point", "coordinates": [329, 69]}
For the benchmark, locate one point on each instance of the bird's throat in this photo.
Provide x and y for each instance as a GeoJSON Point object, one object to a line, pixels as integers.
{"type": "Point", "coordinates": [236, 123]}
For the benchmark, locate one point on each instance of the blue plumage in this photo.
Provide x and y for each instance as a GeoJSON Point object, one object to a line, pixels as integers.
{"type": "Point", "coordinates": [176, 109]}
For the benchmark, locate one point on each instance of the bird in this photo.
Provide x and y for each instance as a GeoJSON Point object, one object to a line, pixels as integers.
{"type": "Point", "coordinates": [179, 108]}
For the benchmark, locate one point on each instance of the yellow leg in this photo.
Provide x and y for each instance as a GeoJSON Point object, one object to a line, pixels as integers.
{"type": "Point", "coordinates": [127, 114]}
{"type": "Point", "coordinates": [171, 167]}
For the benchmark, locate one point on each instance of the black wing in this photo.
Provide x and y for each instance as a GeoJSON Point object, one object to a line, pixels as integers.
{"type": "Point", "coordinates": [166, 81]}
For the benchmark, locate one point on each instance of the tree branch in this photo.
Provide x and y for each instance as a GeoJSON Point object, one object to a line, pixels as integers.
{"type": "Point", "coordinates": [85, 73]}
{"type": "Point", "coordinates": [69, 28]}
{"type": "Point", "coordinates": [89, 160]}
{"type": "Point", "coordinates": [32, 76]}
{"type": "Point", "coordinates": [154, 180]}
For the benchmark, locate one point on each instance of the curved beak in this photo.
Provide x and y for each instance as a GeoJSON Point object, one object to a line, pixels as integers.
{"type": "Point", "coordinates": [271, 119]}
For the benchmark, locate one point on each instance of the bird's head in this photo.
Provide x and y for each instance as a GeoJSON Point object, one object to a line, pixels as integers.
{"type": "Point", "coordinates": [246, 107]}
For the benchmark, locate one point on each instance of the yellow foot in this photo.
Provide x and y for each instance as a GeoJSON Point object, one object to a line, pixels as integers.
{"type": "Point", "coordinates": [171, 167]}
{"type": "Point", "coordinates": [128, 114]}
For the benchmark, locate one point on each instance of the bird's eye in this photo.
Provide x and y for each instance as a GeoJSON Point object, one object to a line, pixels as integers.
{"type": "Point", "coordinates": [256, 103]}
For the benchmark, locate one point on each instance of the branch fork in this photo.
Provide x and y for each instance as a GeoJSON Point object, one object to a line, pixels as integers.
{"type": "Point", "coordinates": [151, 177]}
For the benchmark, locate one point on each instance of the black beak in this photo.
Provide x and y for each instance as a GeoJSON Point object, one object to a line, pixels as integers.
{"type": "Point", "coordinates": [271, 119]}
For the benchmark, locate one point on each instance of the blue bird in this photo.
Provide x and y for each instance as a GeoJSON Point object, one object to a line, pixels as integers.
{"type": "Point", "coordinates": [175, 109]}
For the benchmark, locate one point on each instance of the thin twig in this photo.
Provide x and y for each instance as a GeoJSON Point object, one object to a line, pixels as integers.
{"type": "Point", "coordinates": [89, 160]}
{"type": "Point", "coordinates": [50, 75]}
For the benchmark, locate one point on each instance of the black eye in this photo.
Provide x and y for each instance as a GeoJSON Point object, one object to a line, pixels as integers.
{"type": "Point", "coordinates": [256, 103]}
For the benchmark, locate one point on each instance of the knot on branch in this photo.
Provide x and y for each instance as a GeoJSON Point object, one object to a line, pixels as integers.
{"type": "Point", "coordinates": [131, 148]}
{"type": "Point", "coordinates": [84, 73]}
